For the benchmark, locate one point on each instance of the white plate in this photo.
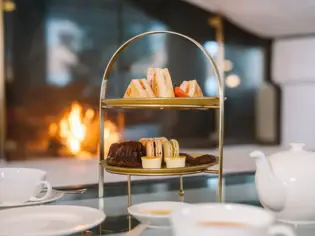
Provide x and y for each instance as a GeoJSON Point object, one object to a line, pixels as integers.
{"type": "Point", "coordinates": [55, 195]}
{"type": "Point", "coordinates": [48, 220]}
{"type": "Point", "coordinates": [142, 212]}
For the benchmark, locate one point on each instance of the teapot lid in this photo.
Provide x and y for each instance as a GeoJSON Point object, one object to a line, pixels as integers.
{"type": "Point", "coordinates": [297, 150]}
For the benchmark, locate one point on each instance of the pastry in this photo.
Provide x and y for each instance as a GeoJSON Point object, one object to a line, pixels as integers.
{"type": "Point", "coordinates": [139, 88]}
{"type": "Point", "coordinates": [126, 154]}
{"type": "Point", "coordinates": [151, 162]}
{"type": "Point", "coordinates": [191, 88]}
{"type": "Point", "coordinates": [175, 161]}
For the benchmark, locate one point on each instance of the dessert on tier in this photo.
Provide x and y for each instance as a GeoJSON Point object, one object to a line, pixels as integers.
{"type": "Point", "coordinates": [153, 153]}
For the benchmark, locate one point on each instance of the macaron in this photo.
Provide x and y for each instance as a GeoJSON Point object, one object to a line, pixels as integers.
{"type": "Point", "coordinates": [158, 148]}
{"type": "Point", "coordinates": [144, 140]}
{"type": "Point", "coordinates": [175, 146]}
{"type": "Point", "coordinates": [154, 148]}
{"type": "Point", "coordinates": [162, 139]}
{"type": "Point", "coordinates": [168, 149]}
{"type": "Point", "coordinates": [149, 148]}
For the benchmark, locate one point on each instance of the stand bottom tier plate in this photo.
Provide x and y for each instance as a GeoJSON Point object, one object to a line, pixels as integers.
{"type": "Point", "coordinates": [187, 170]}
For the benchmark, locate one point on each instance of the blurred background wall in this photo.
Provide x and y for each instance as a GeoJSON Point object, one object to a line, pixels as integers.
{"type": "Point", "coordinates": [57, 50]}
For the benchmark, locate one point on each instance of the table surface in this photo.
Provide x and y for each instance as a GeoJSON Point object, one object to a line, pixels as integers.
{"type": "Point", "coordinates": [238, 188]}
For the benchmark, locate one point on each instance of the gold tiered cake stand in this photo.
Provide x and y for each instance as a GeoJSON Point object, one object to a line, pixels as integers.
{"type": "Point", "coordinates": [202, 103]}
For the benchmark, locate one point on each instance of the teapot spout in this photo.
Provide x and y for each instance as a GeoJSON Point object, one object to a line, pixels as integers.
{"type": "Point", "coordinates": [271, 190]}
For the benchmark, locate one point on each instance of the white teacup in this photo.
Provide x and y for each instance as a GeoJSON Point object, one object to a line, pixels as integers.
{"type": "Point", "coordinates": [19, 185]}
{"type": "Point", "coordinates": [225, 220]}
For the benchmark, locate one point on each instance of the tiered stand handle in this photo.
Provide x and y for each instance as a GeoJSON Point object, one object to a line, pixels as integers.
{"type": "Point", "coordinates": [102, 113]}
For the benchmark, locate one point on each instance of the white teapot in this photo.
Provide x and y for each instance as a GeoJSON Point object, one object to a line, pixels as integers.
{"type": "Point", "coordinates": [285, 183]}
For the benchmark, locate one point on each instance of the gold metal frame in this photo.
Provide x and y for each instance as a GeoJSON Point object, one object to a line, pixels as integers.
{"type": "Point", "coordinates": [217, 24]}
{"type": "Point", "coordinates": [157, 103]}
{"type": "Point", "coordinates": [2, 91]}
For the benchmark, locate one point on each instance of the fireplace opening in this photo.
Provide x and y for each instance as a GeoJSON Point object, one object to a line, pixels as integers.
{"type": "Point", "coordinates": [76, 133]}
{"type": "Point", "coordinates": [73, 133]}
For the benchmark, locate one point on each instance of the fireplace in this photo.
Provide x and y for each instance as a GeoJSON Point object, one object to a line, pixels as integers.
{"type": "Point", "coordinates": [73, 133]}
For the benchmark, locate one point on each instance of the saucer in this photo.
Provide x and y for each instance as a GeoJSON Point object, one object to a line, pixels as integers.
{"type": "Point", "coordinates": [49, 220]}
{"type": "Point", "coordinates": [155, 214]}
{"type": "Point", "coordinates": [55, 195]}
{"type": "Point", "coordinates": [291, 222]}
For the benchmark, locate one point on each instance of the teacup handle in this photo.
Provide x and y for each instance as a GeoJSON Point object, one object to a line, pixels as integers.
{"type": "Point", "coordinates": [281, 230]}
{"type": "Point", "coordinates": [47, 194]}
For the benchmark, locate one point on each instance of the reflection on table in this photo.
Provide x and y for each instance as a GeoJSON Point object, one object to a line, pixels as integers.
{"type": "Point", "coordinates": [238, 188]}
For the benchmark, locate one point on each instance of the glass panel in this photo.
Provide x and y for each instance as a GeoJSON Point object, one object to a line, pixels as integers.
{"type": "Point", "coordinates": [59, 54]}
{"type": "Point", "coordinates": [244, 74]}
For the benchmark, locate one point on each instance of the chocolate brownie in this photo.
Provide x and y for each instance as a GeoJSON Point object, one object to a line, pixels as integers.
{"type": "Point", "coordinates": [189, 159]}
{"type": "Point", "coordinates": [201, 160]}
{"type": "Point", "coordinates": [126, 154]}
{"type": "Point", "coordinates": [204, 159]}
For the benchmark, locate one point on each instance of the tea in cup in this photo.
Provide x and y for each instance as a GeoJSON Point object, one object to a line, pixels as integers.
{"type": "Point", "coordinates": [19, 185]}
{"type": "Point", "coordinates": [225, 220]}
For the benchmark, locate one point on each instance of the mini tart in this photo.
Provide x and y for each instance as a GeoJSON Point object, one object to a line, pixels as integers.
{"type": "Point", "coordinates": [175, 162]}
{"type": "Point", "coordinates": [151, 162]}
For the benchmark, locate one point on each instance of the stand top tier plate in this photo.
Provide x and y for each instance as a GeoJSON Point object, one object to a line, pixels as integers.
{"type": "Point", "coordinates": [200, 103]}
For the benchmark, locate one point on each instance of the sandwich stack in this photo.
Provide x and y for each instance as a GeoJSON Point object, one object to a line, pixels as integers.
{"type": "Point", "coordinates": [159, 84]}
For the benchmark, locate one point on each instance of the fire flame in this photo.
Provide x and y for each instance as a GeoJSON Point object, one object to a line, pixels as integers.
{"type": "Point", "coordinates": [73, 127]}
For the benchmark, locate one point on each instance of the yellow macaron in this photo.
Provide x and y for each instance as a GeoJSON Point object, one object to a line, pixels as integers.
{"type": "Point", "coordinates": [175, 146]}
